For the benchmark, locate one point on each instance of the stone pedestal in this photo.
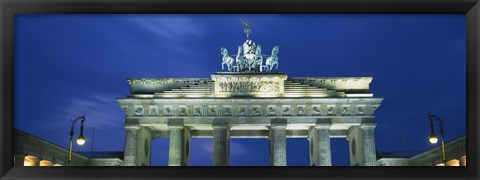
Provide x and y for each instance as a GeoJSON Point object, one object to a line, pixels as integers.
{"type": "Point", "coordinates": [221, 143]}
{"type": "Point", "coordinates": [131, 145]}
{"type": "Point", "coordinates": [278, 146]}
{"type": "Point", "coordinates": [320, 151]}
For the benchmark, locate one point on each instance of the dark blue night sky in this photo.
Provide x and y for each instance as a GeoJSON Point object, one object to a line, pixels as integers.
{"type": "Point", "coordinates": [69, 65]}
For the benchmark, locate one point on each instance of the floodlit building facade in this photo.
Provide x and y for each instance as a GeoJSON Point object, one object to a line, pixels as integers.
{"type": "Point", "coordinates": [30, 150]}
{"type": "Point", "coordinates": [455, 152]}
{"type": "Point", "coordinates": [250, 101]}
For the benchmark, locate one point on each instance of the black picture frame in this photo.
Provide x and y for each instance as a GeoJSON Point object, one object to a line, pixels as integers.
{"type": "Point", "coordinates": [9, 8]}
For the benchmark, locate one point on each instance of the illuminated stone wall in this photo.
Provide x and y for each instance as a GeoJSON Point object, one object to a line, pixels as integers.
{"type": "Point", "coordinates": [455, 152]}
{"type": "Point", "coordinates": [248, 105]}
{"type": "Point", "coordinates": [30, 150]}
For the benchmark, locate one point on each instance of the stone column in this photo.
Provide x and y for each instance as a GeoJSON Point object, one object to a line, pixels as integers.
{"type": "Point", "coordinates": [362, 144]}
{"type": "Point", "coordinates": [19, 159]}
{"type": "Point", "coordinates": [130, 156]}
{"type": "Point", "coordinates": [278, 146]}
{"type": "Point", "coordinates": [144, 141]}
{"type": "Point", "coordinates": [319, 137]}
{"type": "Point", "coordinates": [176, 152]}
{"type": "Point", "coordinates": [369, 151]}
{"type": "Point", "coordinates": [221, 142]}
{"type": "Point", "coordinates": [186, 145]}
{"type": "Point", "coordinates": [463, 161]}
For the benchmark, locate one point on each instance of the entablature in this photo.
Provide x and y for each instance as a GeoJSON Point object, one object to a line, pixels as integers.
{"type": "Point", "coordinates": [295, 125]}
{"type": "Point", "coordinates": [243, 107]}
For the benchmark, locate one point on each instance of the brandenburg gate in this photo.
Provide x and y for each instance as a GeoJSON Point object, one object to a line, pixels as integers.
{"type": "Point", "coordinates": [250, 101]}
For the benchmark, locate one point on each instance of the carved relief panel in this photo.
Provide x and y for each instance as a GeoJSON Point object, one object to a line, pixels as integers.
{"type": "Point", "coordinates": [331, 111]}
{"type": "Point", "coordinates": [138, 111]}
{"type": "Point", "coordinates": [301, 110]}
{"type": "Point", "coordinates": [316, 110]}
{"type": "Point", "coordinates": [153, 111]}
{"type": "Point", "coordinates": [345, 110]}
{"type": "Point", "coordinates": [182, 111]}
{"type": "Point", "coordinates": [198, 111]}
{"type": "Point", "coordinates": [286, 110]}
{"type": "Point", "coordinates": [212, 111]}
{"type": "Point", "coordinates": [227, 111]}
{"type": "Point", "coordinates": [360, 110]}
{"type": "Point", "coordinates": [242, 111]}
{"type": "Point", "coordinates": [271, 110]}
{"type": "Point", "coordinates": [168, 111]}
{"type": "Point", "coordinates": [256, 111]}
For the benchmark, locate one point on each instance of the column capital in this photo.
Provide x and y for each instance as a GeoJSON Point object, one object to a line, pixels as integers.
{"type": "Point", "coordinates": [367, 125]}
{"type": "Point", "coordinates": [367, 120]}
{"type": "Point", "coordinates": [220, 123]}
{"type": "Point", "coordinates": [175, 123]}
{"type": "Point", "coordinates": [324, 123]}
{"type": "Point", "coordinates": [278, 122]}
{"type": "Point", "coordinates": [132, 126]}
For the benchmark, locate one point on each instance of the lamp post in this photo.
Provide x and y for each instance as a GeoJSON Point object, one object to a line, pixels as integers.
{"type": "Point", "coordinates": [80, 139]}
{"type": "Point", "coordinates": [433, 138]}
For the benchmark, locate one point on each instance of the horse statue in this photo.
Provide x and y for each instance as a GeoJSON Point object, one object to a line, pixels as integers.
{"type": "Point", "coordinates": [239, 59]}
{"type": "Point", "coordinates": [258, 58]}
{"type": "Point", "coordinates": [272, 60]}
{"type": "Point", "coordinates": [226, 59]}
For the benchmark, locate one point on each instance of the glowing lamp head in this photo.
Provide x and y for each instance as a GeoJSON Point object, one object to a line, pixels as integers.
{"type": "Point", "coordinates": [81, 140]}
{"type": "Point", "coordinates": [433, 139]}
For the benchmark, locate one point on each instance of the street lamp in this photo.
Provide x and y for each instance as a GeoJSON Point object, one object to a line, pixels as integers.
{"type": "Point", "coordinates": [80, 139]}
{"type": "Point", "coordinates": [433, 138]}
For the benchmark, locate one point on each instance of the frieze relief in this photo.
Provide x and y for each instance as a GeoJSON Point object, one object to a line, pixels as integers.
{"type": "Point", "coordinates": [168, 111]}
{"type": "Point", "coordinates": [331, 111]}
{"type": "Point", "coordinates": [360, 110]}
{"type": "Point", "coordinates": [212, 111]}
{"type": "Point", "coordinates": [249, 86]}
{"type": "Point", "coordinates": [153, 111]}
{"type": "Point", "coordinates": [271, 111]}
{"type": "Point", "coordinates": [345, 111]}
{"type": "Point", "coordinates": [301, 111]}
{"type": "Point", "coordinates": [242, 111]}
{"type": "Point", "coordinates": [286, 111]}
{"type": "Point", "coordinates": [197, 111]}
{"type": "Point", "coordinates": [227, 111]}
{"type": "Point", "coordinates": [316, 111]}
{"type": "Point", "coordinates": [182, 111]}
{"type": "Point", "coordinates": [139, 111]}
{"type": "Point", "coordinates": [254, 110]}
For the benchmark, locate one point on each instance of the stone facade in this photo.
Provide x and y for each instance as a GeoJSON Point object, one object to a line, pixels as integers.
{"type": "Point", "coordinates": [250, 105]}
{"type": "Point", "coordinates": [455, 152]}
{"type": "Point", "coordinates": [30, 150]}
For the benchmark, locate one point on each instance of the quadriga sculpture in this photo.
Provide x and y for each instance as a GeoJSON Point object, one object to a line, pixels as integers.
{"type": "Point", "coordinates": [226, 59]}
{"type": "Point", "coordinates": [272, 60]}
